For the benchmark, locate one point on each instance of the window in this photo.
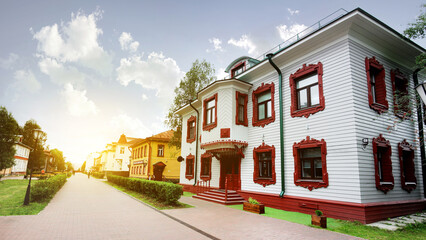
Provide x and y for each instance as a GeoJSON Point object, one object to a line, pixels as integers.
{"type": "Point", "coordinates": [210, 113]}
{"type": "Point", "coordinates": [310, 164]}
{"type": "Point", "coordinates": [239, 68]}
{"type": "Point", "coordinates": [264, 165]}
{"type": "Point", "coordinates": [140, 169]}
{"type": "Point", "coordinates": [122, 150]}
{"type": "Point", "coordinates": [406, 164]}
{"type": "Point", "coordinates": [206, 166]}
{"type": "Point", "coordinates": [241, 111]}
{"type": "Point", "coordinates": [376, 85]}
{"type": "Point", "coordinates": [160, 151]}
{"type": "Point", "coordinates": [263, 105]}
{"type": "Point", "coordinates": [189, 170]}
{"type": "Point", "coordinates": [307, 90]}
{"type": "Point", "coordinates": [191, 130]}
{"type": "Point", "coordinates": [401, 99]}
{"type": "Point", "coordinates": [382, 163]}
{"type": "Point", "coordinates": [144, 151]}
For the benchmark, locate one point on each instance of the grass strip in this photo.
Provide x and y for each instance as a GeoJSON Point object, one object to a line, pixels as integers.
{"type": "Point", "coordinates": [149, 200]}
{"type": "Point", "coordinates": [411, 232]}
{"type": "Point", "coordinates": [12, 194]}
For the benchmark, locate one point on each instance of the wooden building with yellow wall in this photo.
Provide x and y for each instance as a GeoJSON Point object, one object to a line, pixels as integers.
{"type": "Point", "coordinates": [152, 158]}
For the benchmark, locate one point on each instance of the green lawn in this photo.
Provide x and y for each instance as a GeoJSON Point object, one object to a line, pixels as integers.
{"type": "Point", "coordinates": [350, 228]}
{"type": "Point", "coordinates": [12, 194]}
{"type": "Point", "coordinates": [188, 194]}
{"type": "Point", "coordinates": [148, 200]}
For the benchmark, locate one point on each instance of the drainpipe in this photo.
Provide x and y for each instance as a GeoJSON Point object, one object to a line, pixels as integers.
{"type": "Point", "coordinates": [196, 144]}
{"type": "Point", "coordinates": [421, 132]}
{"type": "Point", "coordinates": [280, 90]}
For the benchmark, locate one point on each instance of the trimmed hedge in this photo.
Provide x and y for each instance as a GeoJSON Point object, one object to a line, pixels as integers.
{"type": "Point", "coordinates": [98, 175]}
{"type": "Point", "coordinates": [168, 193]}
{"type": "Point", "coordinates": [45, 189]}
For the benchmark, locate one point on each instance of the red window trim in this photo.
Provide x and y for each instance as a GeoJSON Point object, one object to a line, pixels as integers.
{"type": "Point", "coordinates": [191, 176]}
{"type": "Point", "coordinates": [245, 96]}
{"type": "Point", "coordinates": [207, 156]}
{"type": "Point", "coordinates": [388, 183]}
{"type": "Point", "coordinates": [395, 73]}
{"type": "Point", "coordinates": [212, 125]}
{"type": "Point", "coordinates": [302, 72]}
{"type": "Point", "coordinates": [380, 80]}
{"type": "Point", "coordinates": [190, 120]}
{"type": "Point", "coordinates": [256, 178]}
{"type": "Point", "coordinates": [405, 146]}
{"type": "Point", "coordinates": [307, 183]}
{"type": "Point", "coordinates": [237, 66]}
{"type": "Point", "coordinates": [264, 87]}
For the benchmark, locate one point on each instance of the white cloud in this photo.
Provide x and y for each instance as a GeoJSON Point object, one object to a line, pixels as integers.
{"type": "Point", "coordinates": [9, 62]}
{"type": "Point", "coordinates": [221, 74]}
{"type": "Point", "coordinates": [127, 43]}
{"type": "Point", "coordinates": [288, 32]}
{"type": "Point", "coordinates": [245, 43]}
{"type": "Point", "coordinates": [75, 41]}
{"type": "Point", "coordinates": [292, 12]}
{"type": "Point", "coordinates": [77, 102]}
{"type": "Point", "coordinates": [157, 72]}
{"type": "Point", "coordinates": [216, 45]}
{"type": "Point", "coordinates": [131, 127]}
{"type": "Point", "coordinates": [26, 81]}
{"type": "Point", "coordinates": [59, 73]}
{"type": "Point", "coordinates": [144, 97]}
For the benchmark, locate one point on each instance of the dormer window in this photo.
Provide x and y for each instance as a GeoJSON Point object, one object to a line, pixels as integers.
{"type": "Point", "coordinates": [239, 68]}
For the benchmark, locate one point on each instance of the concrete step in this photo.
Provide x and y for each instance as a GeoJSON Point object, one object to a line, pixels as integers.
{"type": "Point", "coordinates": [220, 201]}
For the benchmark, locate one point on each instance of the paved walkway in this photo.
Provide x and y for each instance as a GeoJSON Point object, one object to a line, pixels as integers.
{"type": "Point", "coordinates": [90, 209]}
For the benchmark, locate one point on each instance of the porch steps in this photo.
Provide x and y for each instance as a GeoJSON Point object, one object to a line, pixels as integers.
{"type": "Point", "coordinates": [218, 196]}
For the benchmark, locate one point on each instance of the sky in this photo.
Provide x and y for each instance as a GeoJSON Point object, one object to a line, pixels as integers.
{"type": "Point", "coordinates": [88, 71]}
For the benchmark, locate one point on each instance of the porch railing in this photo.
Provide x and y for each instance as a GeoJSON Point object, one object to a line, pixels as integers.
{"type": "Point", "coordinates": [202, 186]}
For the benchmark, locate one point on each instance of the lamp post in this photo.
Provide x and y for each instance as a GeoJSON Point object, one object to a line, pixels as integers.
{"type": "Point", "coordinates": [37, 134]}
{"type": "Point", "coordinates": [421, 90]}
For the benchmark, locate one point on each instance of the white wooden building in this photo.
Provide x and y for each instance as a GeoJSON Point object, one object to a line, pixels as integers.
{"type": "Point", "coordinates": [21, 159]}
{"type": "Point", "coordinates": [338, 91]}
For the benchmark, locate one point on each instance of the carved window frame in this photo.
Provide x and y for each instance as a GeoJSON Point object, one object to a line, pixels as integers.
{"type": "Point", "coordinates": [263, 88]}
{"type": "Point", "coordinates": [256, 179]}
{"type": "Point", "coordinates": [396, 75]}
{"type": "Point", "coordinates": [192, 119]}
{"type": "Point", "coordinates": [241, 65]}
{"type": "Point", "coordinates": [372, 66]}
{"type": "Point", "coordinates": [310, 183]}
{"type": "Point", "coordinates": [189, 166]}
{"type": "Point", "coordinates": [386, 167]}
{"type": "Point", "coordinates": [408, 186]}
{"type": "Point", "coordinates": [206, 158]}
{"type": "Point", "coordinates": [299, 75]}
{"type": "Point", "coordinates": [245, 119]}
{"type": "Point", "coordinates": [209, 127]}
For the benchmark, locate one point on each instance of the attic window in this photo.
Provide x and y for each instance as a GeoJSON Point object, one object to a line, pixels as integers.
{"type": "Point", "coordinates": [237, 69]}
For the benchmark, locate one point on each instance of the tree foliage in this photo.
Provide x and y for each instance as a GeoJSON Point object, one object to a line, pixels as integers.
{"type": "Point", "coordinates": [9, 128]}
{"type": "Point", "coordinates": [199, 76]}
{"type": "Point", "coordinates": [59, 160]}
{"type": "Point", "coordinates": [36, 159]}
{"type": "Point", "coordinates": [416, 31]}
{"type": "Point", "coordinates": [83, 167]}
{"type": "Point", "coordinates": [69, 166]}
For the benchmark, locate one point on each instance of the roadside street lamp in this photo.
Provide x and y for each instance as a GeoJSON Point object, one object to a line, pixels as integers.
{"type": "Point", "coordinates": [37, 135]}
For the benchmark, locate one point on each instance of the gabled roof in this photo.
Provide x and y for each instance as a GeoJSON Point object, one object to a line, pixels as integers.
{"type": "Point", "coordinates": [123, 139]}
{"type": "Point", "coordinates": [163, 136]}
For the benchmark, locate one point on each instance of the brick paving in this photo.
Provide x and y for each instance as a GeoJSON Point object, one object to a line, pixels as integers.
{"type": "Point", "coordinates": [90, 209]}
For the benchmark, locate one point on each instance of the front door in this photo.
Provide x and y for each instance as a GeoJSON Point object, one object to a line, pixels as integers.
{"type": "Point", "coordinates": [230, 167]}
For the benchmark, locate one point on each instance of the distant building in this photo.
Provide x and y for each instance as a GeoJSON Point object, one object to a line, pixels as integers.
{"type": "Point", "coordinates": [153, 158]}
{"type": "Point", "coordinates": [116, 155]}
{"type": "Point", "coordinates": [21, 159]}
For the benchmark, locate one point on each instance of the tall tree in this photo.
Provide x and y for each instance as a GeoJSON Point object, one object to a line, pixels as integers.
{"type": "Point", "coordinates": [59, 160]}
{"type": "Point", "coordinates": [198, 77]}
{"type": "Point", "coordinates": [9, 128]}
{"type": "Point", "coordinates": [36, 159]}
{"type": "Point", "coordinates": [83, 167]}
{"type": "Point", "coordinates": [417, 30]}
{"type": "Point", "coordinates": [69, 166]}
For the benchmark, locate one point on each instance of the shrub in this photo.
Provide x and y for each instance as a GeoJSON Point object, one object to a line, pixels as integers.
{"type": "Point", "coordinates": [69, 174]}
{"type": "Point", "coordinates": [45, 189]}
{"type": "Point", "coordinates": [318, 213]}
{"type": "Point", "coordinates": [100, 175]}
{"type": "Point", "coordinates": [168, 193]}
{"type": "Point", "coordinates": [253, 201]}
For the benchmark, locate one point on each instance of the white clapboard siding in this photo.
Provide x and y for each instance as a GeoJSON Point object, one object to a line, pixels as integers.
{"type": "Point", "coordinates": [369, 124]}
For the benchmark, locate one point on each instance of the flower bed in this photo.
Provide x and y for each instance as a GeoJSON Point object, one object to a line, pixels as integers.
{"type": "Point", "coordinates": [168, 193]}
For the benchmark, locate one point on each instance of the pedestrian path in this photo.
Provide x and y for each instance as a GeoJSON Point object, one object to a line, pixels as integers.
{"type": "Point", "coordinates": [400, 222]}
{"type": "Point", "coordinates": [90, 209]}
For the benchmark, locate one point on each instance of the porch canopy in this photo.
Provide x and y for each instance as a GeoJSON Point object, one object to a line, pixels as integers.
{"type": "Point", "coordinates": [228, 147]}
